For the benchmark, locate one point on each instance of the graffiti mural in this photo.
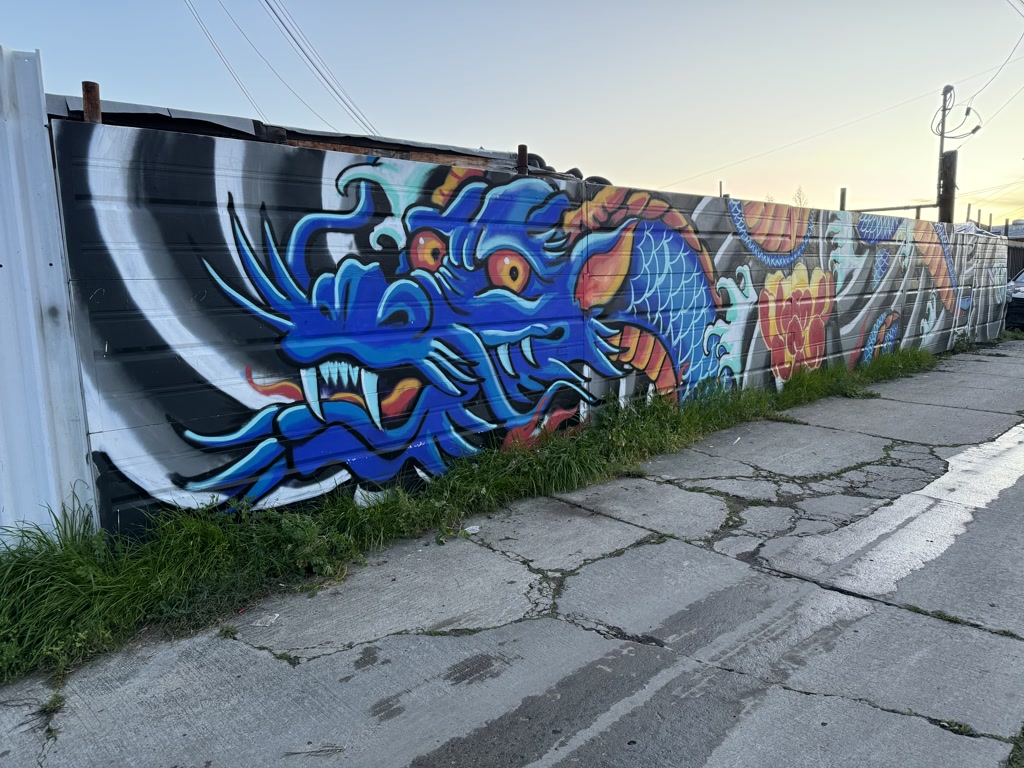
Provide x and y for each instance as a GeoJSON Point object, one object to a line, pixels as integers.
{"type": "Point", "coordinates": [271, 323]}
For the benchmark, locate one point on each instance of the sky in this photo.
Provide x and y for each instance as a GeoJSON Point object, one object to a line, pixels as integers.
{"type": "Point", "coordinates": [677, 95]}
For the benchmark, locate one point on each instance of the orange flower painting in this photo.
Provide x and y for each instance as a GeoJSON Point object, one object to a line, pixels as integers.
{"type": "Point", "coordinates": [793, 311]}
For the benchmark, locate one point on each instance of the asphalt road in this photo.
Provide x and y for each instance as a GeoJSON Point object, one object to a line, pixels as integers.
{"type": "Point", "coordinates": [843, 591]}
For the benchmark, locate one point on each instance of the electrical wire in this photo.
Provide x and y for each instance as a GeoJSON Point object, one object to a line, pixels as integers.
{"type": "Point", "coordinates": [224, 59]}
{"type": "Point", "coordinates": [292, 37]}
{"type": "Point", "coordinates": [1004, 106]}
{"type": "Point", "coordinates": [323, 65]}
{"type": "Point", "coordinates": [265, 61]}
{"type": "Point", "coordinates": [1012, 50]}
{"type": "Point", "coordinates": [925, 95]}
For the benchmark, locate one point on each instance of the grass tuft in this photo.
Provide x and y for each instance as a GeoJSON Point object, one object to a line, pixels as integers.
{"type": "Point", "coordinates": [1017, 753]}
{"type": "Point", "coordinates": [74, 592]}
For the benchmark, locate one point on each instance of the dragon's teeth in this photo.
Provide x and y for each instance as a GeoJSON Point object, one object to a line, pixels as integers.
{"type": "Point", "coordinates": [368, 383]}
{"type": "Point", "coordinates": [506, 359]}
{"type": "Point", "coordinates": [311, 389]}
{"type": "Point", "coordinates": [527, 347]}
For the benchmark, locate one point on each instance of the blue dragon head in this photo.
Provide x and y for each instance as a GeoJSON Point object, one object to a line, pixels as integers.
{"type": "Point", "coordinates": [498, 301]}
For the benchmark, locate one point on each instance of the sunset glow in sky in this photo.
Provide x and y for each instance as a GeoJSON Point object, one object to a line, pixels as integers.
{"type": "Point", "coordinates": [651, 94]}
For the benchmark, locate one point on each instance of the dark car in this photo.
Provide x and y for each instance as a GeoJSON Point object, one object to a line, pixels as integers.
{"type": "Point", "coordinates": [1015, 302]}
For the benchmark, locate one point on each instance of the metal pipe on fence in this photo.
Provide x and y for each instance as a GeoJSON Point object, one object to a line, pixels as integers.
{"type": "Point", "coordinates": [523, 162]}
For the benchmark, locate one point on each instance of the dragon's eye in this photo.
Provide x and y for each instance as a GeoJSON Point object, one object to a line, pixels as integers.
{"type": "Point", "coordinates": [508, 269]}
{"type": "Point", "coordinates": [427, 250]}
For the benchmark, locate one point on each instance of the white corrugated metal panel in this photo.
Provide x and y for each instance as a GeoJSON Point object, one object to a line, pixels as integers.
{"type": "Point", "coordinates": [43, 446]}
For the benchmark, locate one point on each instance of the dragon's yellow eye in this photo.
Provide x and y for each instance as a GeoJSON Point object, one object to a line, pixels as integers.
{"type": "Point", "coordinates": [427, 250]}
{"type": "Point", "coordinates": [508, 269]}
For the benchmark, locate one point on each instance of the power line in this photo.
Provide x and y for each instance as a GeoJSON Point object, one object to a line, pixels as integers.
{"type": "Point", "coordinates": [1012, 50]}
{"type": "Point", "coordinates": [224, 59]}
{"type": "Point", "coordinates": [830, 130]}
{"type": "Point", "coordinates": [998, 197]}
{"type": "Point", "coordinates": [283, 81]}
{"type": "Point", "coordinates": [1004, 106]}
{"type": "Point", "coordinates": [292, 37]}
{"type": "Point", "coordinates": [323, 65]}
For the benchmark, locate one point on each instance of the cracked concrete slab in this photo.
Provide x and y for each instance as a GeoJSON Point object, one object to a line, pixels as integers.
{"type": "Point", "coordinates": [548, 724]}
{"type": "Point", "coordinates": [986, 365]}
{"type": "Point", "coordinates": [800, 635]}
{"type": "Point", "coordinates": [674, 574]}
{"type": "Point", "coordinates": [766, 521]}
{"type": "Point", "coordinates": [786, 729]}
{"type": "Point", "coordinates": [812, 527]}
{"type": "Point", "coordinates": [884, 482]}
{"type": "Point", "coordinates": [750, 490]}
{"type": "Point", "coordinates": [956, 390]}
{"type": "Point", "coordinates": [737, 546]}
{"type": "Point", "coordinates": [659, 506]}
{"type": "Point", "coordinates": [837, 508]}
{"type": "Point", "coordinates": [22, 725]}
{"type": "Point", "coordinates": [992, 554]}
{"type": "Point", "coordinates": [470, 587]}
{"type": "Point", "coordinates": [904, 661]}
{"type": "Point", "coordinates": [213, 701]}
{"type": "Point", "coordinates": [794, 450]}
{"type": "Point", "coordinates": [910, 422]}
{"type": "Point", "coordinates": [695, 465]}
{"type": "Point", "coordinates": [552, 535]}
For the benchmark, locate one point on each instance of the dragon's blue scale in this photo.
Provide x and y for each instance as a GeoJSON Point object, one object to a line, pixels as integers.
{"type": "Point", "coordinates": [671, 297]}
{"type": "Point", "coordinates": [874, 229]}
{"type": "Point", "coordinates": [882, 259]}
{"type": "Point", "coordinates": [774, 260]}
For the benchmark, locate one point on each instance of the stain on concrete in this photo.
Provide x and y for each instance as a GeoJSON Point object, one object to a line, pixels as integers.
{"type": "Point", "coordinates": [476, 669]}
{"type": "Point", "coordinates": [369, 656]}
{"type": "Point", "coordinates": [387, 708]}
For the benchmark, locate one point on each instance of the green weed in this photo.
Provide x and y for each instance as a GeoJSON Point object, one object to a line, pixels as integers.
{"type": "Point", "coordinates": [53, 705]}
{"type": "Point", "coordinates": [1017, 754]}
{"type": "Point", "coordinates": [74, 592]}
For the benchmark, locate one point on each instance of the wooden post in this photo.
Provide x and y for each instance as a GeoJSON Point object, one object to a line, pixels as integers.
{"type": "Point", "coordinates": [91, 111]}
{"type": "Point", "coordinates": [990, 222]}
{"type": "Point", "coordinates": [968, 211]}
{"type": "Point", "coordinates": [979, 217]}
{"type": "Point", "coordinates": [523, 163]}
{"type": "Point", "coordinates": [719, 188]}
{"type": "Point", "coordinates": [842, 198]}
{"type": "Point", "coordinates": [917, 212]}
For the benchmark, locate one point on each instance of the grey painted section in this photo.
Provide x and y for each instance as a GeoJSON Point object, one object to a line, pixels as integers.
{"type": "Point", "coordinates": [43, 449]}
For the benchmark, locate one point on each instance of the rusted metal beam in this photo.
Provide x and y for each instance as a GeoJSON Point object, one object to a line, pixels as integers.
{"type": "Point", "coordinates": [91, 111]}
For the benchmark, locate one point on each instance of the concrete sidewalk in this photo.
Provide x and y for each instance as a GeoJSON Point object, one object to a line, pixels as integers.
{"type": "Point", "coordinates": [843, 591]}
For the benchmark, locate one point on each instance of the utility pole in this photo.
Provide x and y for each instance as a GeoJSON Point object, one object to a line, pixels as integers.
{"type": "Point", "coordinates": [945, 188]}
